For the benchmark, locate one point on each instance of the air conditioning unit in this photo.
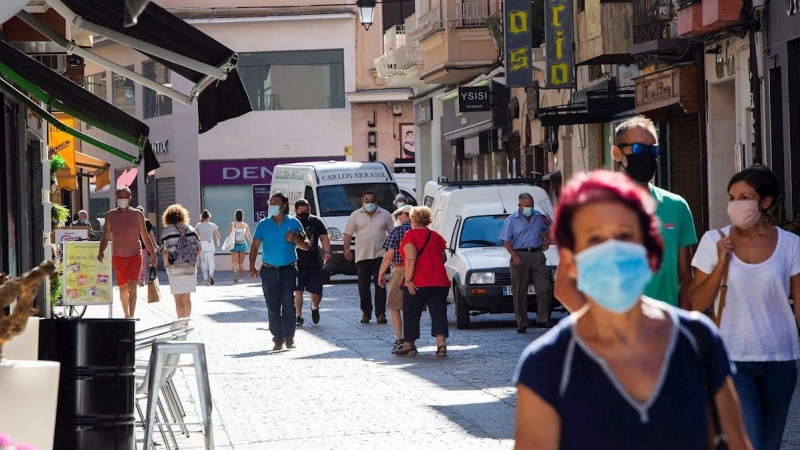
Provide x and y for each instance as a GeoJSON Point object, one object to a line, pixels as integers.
{"type": "Point", "coordinates": [57, 63]}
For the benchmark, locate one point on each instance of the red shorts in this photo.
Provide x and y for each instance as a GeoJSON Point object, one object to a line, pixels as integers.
{"type": "Point", "coordinates": [126, 268]}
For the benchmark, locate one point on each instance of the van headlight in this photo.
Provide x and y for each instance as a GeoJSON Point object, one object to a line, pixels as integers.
{"type": "Point", "coordinates": [481, 278]}
{"type": "Point", "coordinates": [334, 234]}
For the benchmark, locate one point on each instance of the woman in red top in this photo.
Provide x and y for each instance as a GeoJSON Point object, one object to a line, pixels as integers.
{"type": "Point", "coordinates": [426, 282]}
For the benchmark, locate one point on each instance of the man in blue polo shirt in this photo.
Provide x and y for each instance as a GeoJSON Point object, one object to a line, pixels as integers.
{"type": "Point", "coordinates": [283, 234]}
{"type": "Point", "coordinates": [524, 236]}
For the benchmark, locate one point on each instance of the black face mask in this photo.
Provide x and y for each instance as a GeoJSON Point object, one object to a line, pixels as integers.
{"type": "Point", "coordinates": [303, 217]}
{"type": "Point", "coordinates": [641, 167]}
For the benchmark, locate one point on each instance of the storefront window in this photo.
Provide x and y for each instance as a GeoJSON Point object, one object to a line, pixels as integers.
{"type": "Point", "coordinates": [223, 201]}
{"type": "Point", "coordinates": [123, 93]}
{"type": "Point", "coordinates": [156, 104]}
{"type": "Point", "coordinates": [296, 80]}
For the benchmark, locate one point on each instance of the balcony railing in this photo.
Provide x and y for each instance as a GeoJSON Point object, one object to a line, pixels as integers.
{"type": "Point", "coordinates": [400, 53]}
{"type": "Point", "coordinates": [652, 20]}
{"type": "Point", "coordinates": [427, 24]}
{"type": "Point", "coordinates": [473, 13]}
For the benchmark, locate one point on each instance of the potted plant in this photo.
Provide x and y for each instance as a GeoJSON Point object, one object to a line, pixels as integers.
{"type": "Point", "coordinates": [28, 388]}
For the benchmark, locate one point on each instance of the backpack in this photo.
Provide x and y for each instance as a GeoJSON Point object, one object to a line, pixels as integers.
{"type": "Point", "coordinates": [185, 255]}
{"type": "Point", "coordinates": [238, 236]}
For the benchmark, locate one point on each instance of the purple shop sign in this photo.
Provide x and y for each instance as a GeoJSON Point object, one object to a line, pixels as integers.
{"type": "Point", "coordinates": [246, 171]}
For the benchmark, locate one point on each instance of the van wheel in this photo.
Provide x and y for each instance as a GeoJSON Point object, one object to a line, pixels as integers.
{"type": "Point", "coordinates": [462, 310]}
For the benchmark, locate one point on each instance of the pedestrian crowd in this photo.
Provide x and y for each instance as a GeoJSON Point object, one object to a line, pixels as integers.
{"type": "Point", "coordinates": [636, 364]}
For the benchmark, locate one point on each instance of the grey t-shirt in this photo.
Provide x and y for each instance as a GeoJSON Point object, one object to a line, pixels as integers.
{"type": "Point", "coordinates": [205, 231]}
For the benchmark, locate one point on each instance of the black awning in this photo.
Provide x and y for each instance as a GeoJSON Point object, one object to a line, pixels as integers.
{"type": "Point", "coordinates": [64, 95]}
{"type": "Point", "coordinates": [158, 27]}
{"type": "Point", "coordinates": [601, 106]}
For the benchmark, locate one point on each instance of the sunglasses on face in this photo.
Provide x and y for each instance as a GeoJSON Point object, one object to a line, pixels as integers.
{"type": "Point", "coordinates": [641, 149]}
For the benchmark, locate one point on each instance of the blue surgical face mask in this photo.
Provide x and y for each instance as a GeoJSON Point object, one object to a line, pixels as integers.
{"type": "Point", "coordinates": [527, 211]}
{"type": "Point", "coordinates": [614, 274]}
{"type": "Point", "coordinates": [400, 204]}
{"type": "Point", "coordinates": [274, 210]}
{"type": "Point", "coordinates": [370, 207]}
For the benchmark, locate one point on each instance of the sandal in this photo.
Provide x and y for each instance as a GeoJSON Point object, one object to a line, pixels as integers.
{"type": "Point", "coordinates": [441, 350]}
{"type": "Point", "coordinates": [403, 352]}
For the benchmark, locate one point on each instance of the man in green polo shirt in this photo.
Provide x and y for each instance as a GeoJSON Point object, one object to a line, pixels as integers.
{"type": "Point", "coordinates": [636, 150]}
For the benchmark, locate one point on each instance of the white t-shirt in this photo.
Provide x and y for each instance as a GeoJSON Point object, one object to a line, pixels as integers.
{"type": "Point", "coordinates": [758, 323]}
{"type": "Point", "coordinates": [205, 230]}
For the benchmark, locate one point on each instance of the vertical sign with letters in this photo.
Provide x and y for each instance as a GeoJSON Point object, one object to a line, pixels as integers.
{"type": "Point", "coordinates": [558, 28]}
{"type": "Point", "coordinates": [517, 38]}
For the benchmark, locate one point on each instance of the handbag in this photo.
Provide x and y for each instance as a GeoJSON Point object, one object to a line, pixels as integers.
{"type": "Point", "coordinates": [230, 241]}
{"type": "Point", "coordinates": [723, 288]}
{"type": "Point", "coordinates": [700, 336]}
{"type": "Point", "coordinates": [153, 289]}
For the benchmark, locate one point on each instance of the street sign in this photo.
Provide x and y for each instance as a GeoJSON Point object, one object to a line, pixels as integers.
{"type": "Point", "coordinates": [423, 111]}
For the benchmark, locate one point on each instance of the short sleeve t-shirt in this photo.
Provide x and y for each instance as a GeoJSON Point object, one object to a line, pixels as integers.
{"type": "Point", "coordinates": [429, 270]}
{"type": "Point", "coordinates": [369, 231]}
{"type": "Point", "coordinates": [275, 251]}
{"type": "Point", "coordinates": [149, 227]}
{"type": "Point", "coordinates": [677, 228]}
{"type": "Point", "coordinates": [757, 322]}
{"type": "Point", "coordinates": [594, 409]}
{"type": "Point", "coordinates": [205, 231]}
{"type": "Point", "coordinates": [314, 229]}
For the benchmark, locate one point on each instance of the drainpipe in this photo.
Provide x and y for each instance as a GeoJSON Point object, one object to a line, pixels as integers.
{"type": "Point", "coordinates": [751, 25]}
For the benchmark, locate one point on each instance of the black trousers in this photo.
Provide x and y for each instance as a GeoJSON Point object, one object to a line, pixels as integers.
{"type": "Point", "coordinates": [368, 274]}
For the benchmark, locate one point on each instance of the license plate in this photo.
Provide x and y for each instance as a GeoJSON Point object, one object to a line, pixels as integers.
{"type": "Point", "coordinates": [508, 291]}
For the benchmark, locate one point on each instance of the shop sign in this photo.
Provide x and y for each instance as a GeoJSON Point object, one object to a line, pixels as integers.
{"type": "Point", "coordinates": [517, 38]}
{"type": "Point", "coordinates": [558, 30]}
{"type": "Point", "coordinates": [247, 171]}
{"type": "Point", "coordinates": [423, 111]}
{"type": "Point", "coordinates": [62, 143]}
{"type": "Point", "coordinates": [260, 201]}
{"type": "Point", "coordinates": [160, 146]}
{"type": "Point", "coordinates": [477, 98]}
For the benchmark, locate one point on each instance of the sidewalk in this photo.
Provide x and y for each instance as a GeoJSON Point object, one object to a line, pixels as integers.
{"type": "Point", "coordinates": [341, 388]}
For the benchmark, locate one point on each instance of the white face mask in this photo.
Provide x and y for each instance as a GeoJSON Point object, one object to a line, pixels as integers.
{"type": "Point", "coordinates": [123, 202]}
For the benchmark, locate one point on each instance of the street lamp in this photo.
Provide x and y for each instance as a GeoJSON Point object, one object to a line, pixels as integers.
{"type": "Point", "coordinates": [366, 12]}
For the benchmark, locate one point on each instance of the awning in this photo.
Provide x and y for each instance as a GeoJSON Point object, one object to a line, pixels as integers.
{"type": "Point", "coordinates": [94, 167]}
{"type": "Point", "coordinates": [174, 43]}
{"type": "Point", "coordinates": [599, 106]}
{"type": "Point", "coordinates": [64, 95]}
{"type": "Point", "coordinates": [127, 178]}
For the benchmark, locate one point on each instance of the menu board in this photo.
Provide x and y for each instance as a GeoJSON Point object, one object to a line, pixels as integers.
{"type": "Point", "coordinates": [85, 280]}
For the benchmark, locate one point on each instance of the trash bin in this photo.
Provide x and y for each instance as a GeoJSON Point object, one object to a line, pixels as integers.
{"type": "Point", "coordinates": [96, 390]}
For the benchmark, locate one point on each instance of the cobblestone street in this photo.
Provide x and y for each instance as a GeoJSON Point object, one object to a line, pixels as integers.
{"type": "Point", "coordinates": [341, 388]}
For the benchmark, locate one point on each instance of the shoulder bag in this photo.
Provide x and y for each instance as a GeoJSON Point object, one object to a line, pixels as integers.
{"type": "Point", "coordinates": [723, 289]}
{"type": "Point", "coordinates": [703, 346]}
{"type": "Point", "coordinates": [153, 289]}
{"type": "Point", "coordinates": [230, 241]}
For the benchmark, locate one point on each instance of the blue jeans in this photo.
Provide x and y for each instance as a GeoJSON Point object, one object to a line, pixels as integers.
{"type": "Point", "coordinates": [765, 390]}
{"type": "Point", "coordinates": [278, 286]}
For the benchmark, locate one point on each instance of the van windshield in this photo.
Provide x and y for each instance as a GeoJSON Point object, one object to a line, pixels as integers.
{"type": "Point", "coordinates": [343, 199]}
{"type": "Point", "coordinates": [482, 231]}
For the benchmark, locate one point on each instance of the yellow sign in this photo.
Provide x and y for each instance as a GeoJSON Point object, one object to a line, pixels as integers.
{"type": "Point", "coordinates": [62, 143]}
{"type": "Point", "coordinates": [348, 151]}
{"type": "Point", "coordinates": [85, 280]}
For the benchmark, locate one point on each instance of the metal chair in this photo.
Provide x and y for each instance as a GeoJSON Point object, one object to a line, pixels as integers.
{"type": "Point", "coordinates": [156, 378]}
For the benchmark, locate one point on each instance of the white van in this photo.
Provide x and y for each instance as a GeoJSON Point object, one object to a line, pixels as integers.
{"type": "Point", "coordinates": [334, 189]}
{"type": "Point", "coordinates": [469, 215]}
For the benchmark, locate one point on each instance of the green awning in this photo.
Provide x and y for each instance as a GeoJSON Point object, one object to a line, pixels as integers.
{"type": "Point", "coordinates": [62, 94]}
{"type": "Point", "coordinates": [52, 120]}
